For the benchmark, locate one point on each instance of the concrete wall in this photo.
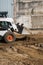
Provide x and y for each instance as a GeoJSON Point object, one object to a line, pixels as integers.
{"type": "Point", "coordinates": [37, 21]}
{"type": "Point", "coordinates": [26, 20]}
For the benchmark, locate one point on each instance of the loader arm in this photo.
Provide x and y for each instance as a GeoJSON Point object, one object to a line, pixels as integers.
{"type": "Point", "coordinates": [28, 29]}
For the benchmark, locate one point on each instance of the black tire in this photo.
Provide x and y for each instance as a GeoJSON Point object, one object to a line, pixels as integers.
{"type": "Point", "coordinates": [9, 37]}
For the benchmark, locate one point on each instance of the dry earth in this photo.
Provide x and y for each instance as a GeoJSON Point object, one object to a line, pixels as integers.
{"type": "Point", "coordinates": [21, 54]}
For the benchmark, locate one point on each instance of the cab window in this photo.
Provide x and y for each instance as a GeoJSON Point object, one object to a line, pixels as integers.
{"type": "Point", "coordinates": [4, 24]}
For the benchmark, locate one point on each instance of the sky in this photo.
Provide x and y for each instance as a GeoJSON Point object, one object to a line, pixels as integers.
{"type": "Point", "coordinates": [6, 5]}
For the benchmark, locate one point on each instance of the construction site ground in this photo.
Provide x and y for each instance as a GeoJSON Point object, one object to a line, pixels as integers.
{"type": "Point", "coordinates": [26, 51]}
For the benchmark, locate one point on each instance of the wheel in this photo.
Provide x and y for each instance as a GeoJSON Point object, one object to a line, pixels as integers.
{"type": "Point", "coordinates": [9, 37]}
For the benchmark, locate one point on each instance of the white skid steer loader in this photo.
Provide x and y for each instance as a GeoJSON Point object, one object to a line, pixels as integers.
{"type": "Point", "coordinates": [6, 30]}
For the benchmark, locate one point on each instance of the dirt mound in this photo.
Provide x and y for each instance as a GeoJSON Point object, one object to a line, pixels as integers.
{"type": "Point", "coordinates": [23, 52]}
{"type": "Point", "coordinates": [20, 54]}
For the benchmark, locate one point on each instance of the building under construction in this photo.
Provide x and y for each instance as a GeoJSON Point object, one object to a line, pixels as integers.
{"type": "Point", "coordinates": [26, 7]}
{"type": "Point", "coordinates": [29, 12]}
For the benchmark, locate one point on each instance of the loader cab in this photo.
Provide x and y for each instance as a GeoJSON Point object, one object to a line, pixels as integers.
{"type": "Point", "coordinates": [6, 28]}
{"type": "Point", "coordinates": [4, 25]}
